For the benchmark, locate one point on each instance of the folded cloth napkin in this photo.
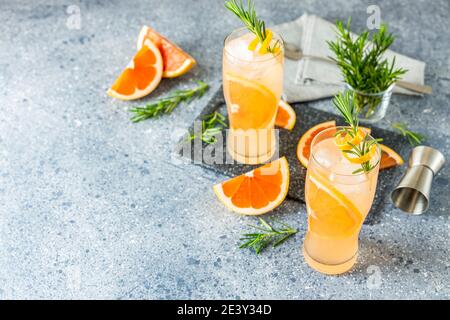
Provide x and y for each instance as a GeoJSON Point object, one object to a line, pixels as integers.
{"type": "Point", "coordinates": [311, 78]}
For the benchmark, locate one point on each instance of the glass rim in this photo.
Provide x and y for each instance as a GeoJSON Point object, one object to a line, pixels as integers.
{"type": "Point", "coordinates": [341, 174]}
{"type": "Point", "coordinates": [273, 56]}
{"type": "Point", "coordinates": [381, 93]}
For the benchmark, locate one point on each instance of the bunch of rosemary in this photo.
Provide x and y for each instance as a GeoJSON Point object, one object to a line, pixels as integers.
{"type": "Point", "coordinates": [363, 67]}
{"type": "Point", "coordinates": [344, 104]}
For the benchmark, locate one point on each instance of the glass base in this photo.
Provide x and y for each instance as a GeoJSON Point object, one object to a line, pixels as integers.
{"type": "Point", "coordinates": [245, 159]}
{"type": "Point", "coordinates": [333, 269]}
{"type": "Point", "coordinates": [251, 160]}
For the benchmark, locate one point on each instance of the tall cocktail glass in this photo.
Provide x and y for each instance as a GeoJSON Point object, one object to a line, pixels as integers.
{"type": "Point", "coordinates": [252, 86]}
{"type": "Point", "coordinates": [337, 201]}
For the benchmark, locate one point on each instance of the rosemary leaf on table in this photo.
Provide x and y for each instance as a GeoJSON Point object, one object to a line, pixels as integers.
{"type": "Point", "coordinates": [267, 235]}
{"type": "Point", "coordinates": [169, 103]}
{"type": "Point", "coordinates": [212, 125]}
{"type": "Point", "coordinates": [414, 138]}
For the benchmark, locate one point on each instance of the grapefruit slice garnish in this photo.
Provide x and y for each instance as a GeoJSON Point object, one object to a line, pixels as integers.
{"type": "Point", "coordinates": [331, 213]}
{"type": "Point", "coordinates": [253, 44]}
{"type": "Point", "coordinates": [286, 117]}
{"type": "Point", "coordinates": [344, 141]}
{"type": "Point", "coordinates": [361, 159]}
{"type": "Point", "coordinates": [176, 61]}
{"type": "Point", "coordinates": [304, 144]}
{"type": "Point", "coordinates": [389, 158]}
{"type": "Point", "coordinates": [141, 76]}
{"type": "Point", "coordinates": [258, 191]}
{"type": "Point", "coordinates": [252, 104]}
{"type": "Point", "coordinates": [265, 45]}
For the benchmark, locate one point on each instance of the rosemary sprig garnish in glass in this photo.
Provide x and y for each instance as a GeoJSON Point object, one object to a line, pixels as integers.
{"type": "Point", "coordinates": [414, 138]}
{"type": "Point", "coordinates": [247, 15]}
{"type": "Point", "coordinates": [212, 125]}
{"type": "Point", "coordinates": [168, 104]}
{"type": "Point", "coordinates": [361, 150]}
{"type": "Point", "coordinates": [363, 67]}
{"type": "Point", "coordinates": [345, 105]}
{"type": "Point", "coordinates": [268, 235]}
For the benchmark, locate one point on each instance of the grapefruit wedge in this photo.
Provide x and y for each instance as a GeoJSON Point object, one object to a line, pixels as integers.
{"type": "Point", "coordinates": [141, 76]}
{"type": "Point", "coordinates": [258, 191]}
{"type": "Point", "coordinates": [286, 117]}
{"type": "Point", "coordinates": [389, 158]}
{"type": "Point", "coordinates": [176, 61]}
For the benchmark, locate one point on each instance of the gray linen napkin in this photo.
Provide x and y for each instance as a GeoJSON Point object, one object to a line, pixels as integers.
{"type": "Point", "coordinates": [311, 79]}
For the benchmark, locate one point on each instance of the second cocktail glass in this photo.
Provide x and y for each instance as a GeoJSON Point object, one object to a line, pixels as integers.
{"type": "Point", "coordinates": [252, 85]}
{"type": "Point", "coordinates": [337, 201]}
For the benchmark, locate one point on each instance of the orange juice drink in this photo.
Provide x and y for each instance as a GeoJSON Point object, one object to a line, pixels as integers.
{"type": "Point", "coordinates": [337, 202]}
{"type": "Point", "coordinates": [252, 85]}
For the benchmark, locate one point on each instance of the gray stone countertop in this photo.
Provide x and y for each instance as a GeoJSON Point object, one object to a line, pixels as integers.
{"type": "Point", "coordinates": [92, 206]}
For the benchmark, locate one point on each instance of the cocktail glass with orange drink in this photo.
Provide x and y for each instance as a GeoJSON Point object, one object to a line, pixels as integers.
{"type": "Point", "coordinates": [339, 195]}
{"type": "Point", "coordinates": [252, 85]}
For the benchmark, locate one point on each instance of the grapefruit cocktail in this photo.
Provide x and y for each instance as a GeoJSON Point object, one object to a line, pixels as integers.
{"type": "Point", "coordinates": [338, 198]}
{"type": "Point", "coordinates": [252, 85]}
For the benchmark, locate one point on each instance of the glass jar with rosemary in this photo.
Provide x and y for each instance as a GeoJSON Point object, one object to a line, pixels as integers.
{"type": "Point", "coordinates": [369, 76]}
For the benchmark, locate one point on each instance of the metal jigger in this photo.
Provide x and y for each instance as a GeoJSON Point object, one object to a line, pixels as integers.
{"type": "Point", "coordinates": [412, 194]}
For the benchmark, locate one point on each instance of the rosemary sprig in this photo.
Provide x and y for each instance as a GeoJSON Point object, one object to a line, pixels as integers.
{"type": "Point", "coordinates": [167, 104]}
{"type": "Point", "coordinates": [345, 105]}
{"type": "Point", "coordinates": [212, 125]}
{"type": "Point", "coordinates": [247, 15]}
{"type": "Point", "coordinates": [414, 138]}
{"type": "Point", "coordinates": [269, 235]}
{"type": "Point", "coordinates": [361, 150]}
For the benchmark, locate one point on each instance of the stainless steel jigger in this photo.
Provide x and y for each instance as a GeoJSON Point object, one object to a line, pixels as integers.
{"type": "Point", "coordinates": [412, 194]}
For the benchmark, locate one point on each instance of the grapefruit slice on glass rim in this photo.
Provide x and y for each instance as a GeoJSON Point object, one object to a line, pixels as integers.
{"type": "Point", "coordinates": [176, 61]}
{"type": "Point", "coordinates": [141, 76]}
{"type": "Point", "coordinates": [258, 191]}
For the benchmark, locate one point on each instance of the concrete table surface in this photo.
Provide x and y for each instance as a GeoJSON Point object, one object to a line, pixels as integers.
{"type": "Point", "coordinates": [93, 206]}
